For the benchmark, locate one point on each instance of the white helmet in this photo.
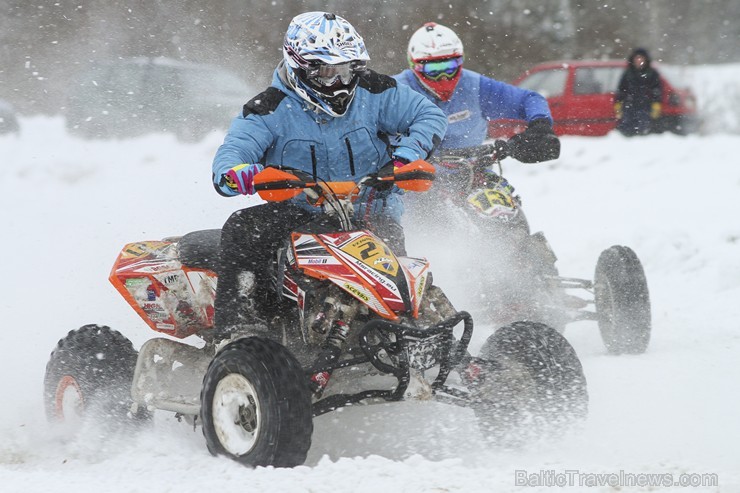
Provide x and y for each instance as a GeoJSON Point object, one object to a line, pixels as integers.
{"type": "Point", "coordinates": [324, 56]}
{"type": "Point", "coordinates": [435, 55]}
{"type": "Point", "coordinates": [433, 40]}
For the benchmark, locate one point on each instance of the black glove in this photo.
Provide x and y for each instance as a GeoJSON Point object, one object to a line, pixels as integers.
{"type": "Point", "coordinates": [536, 144]}
{"type": "Point", "coordinates": [388, 169]}
{"type": "Point", "coordinates": [501, 149]}
{"type": "Point", "coordinates": [397, 162]}
{"type": "Point", "coordinates": [494, 152]}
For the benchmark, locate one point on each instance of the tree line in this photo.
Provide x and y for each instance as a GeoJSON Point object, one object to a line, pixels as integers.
{"type": "Point", "coordinates": [44, 46]}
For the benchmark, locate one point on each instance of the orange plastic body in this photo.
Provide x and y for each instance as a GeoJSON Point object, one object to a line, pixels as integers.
{"type": "Point", "coordinates": [169, 297]}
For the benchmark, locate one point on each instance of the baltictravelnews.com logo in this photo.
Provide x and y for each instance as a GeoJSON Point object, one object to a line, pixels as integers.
{"type": "Point", "coordinates": [575, 477]}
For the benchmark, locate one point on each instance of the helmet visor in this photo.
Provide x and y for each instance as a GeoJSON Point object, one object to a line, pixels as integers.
{"type": "Point", "coordinates": [328, 75]}
{"type": "Point", "coordinates": [439, 69]}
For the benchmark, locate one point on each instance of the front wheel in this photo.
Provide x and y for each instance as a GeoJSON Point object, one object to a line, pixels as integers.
{"type": "Point", "coordinates": [622, 301]}
{"type": "Point", "coordinates": [256, 405]}
{"type": "Point", "coordinates": [89, 375]}
{"type": "Point", "coordinates": [528, 380]}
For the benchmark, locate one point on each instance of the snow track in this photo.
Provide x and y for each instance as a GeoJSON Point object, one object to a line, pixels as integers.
{"type": "Point", "coordinates": [67, 206]}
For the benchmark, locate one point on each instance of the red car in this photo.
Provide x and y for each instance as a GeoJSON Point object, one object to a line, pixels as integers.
{"type": "Point", "coordinates": [581, 98]}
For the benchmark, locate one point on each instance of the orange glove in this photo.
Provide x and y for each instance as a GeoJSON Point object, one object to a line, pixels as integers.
{"type": "Point", "coordinates": [655, 110]}
{"type": "Point", "coordinates": [618, 110]}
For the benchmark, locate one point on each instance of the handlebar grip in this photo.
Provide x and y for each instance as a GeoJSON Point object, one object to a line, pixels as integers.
{"type": "Point", "coordinates": [468, 152]}
{"type": "Point", "coordinates": [277, 185]}
{"type": "Point", "coordinates": [280, 185]}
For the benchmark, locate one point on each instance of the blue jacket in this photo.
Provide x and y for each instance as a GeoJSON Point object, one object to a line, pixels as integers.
{"type": "Point", "coordinates": [278, 128]}
{"type": "Point", "coordinates": [476, 100]}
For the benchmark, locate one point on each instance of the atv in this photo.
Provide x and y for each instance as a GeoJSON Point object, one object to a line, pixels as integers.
{"type": "Point", "coordinates": [516, 269]}
{"type": "Point", "coordinates": [357, 324]}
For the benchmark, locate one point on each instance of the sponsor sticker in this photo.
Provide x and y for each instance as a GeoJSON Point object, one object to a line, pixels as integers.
{"type": "Point", "coordinates": [374, 253]}
{"type": "Point", "coordinates": [143, 248]}
{"type": "Point", "coordinates": [493, 202]}
{"type": "Point", "coordinates": [459, 116]}
{"type": "Point", "coordinates": [356, 292]}
{"type": "Point", "coordinates": [316, 261]}
{"type": "Point", "coordinates": [133, 282]}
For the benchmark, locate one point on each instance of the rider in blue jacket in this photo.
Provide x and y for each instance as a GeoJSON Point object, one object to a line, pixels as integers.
{"type": "Point", "coordinates": [470, 100]}
{"type": "Point", "coordinates": [325, 114]}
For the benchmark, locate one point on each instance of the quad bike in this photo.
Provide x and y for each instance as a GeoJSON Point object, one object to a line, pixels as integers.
{"type": "Point", "coordinates": [516, 268]}
{"type": "Point", "coordinates": [357, 324]}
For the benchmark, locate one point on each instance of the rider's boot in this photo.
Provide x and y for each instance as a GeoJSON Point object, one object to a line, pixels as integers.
{"type": "Point", "coordinates": [541, 254]}
{"type": "Point", "coordinates": [237, 312]}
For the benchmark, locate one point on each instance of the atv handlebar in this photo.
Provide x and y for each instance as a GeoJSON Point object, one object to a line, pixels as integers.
{"type": "Point", "coordinates": [475, 152]}
{"type": "Point", "coordinates": [279, 184]}
{"type": "Point", "coordinates": [469, 160]}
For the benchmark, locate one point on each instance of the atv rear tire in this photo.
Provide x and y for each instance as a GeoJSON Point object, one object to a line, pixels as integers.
{"type": "Point", "coordinates": [256, 405]}
{"type": "Point", "coordinates": [622, 301]}
{"type": "Point", "coordinates": [531, 383]}
{"type": "Point", "coordinates": [89, 375]}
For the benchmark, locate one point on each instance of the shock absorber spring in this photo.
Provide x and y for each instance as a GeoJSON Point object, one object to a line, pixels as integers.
{"type": "Point", "coordinates": [338, 334]}
{"type": "Point", "coordinates": [323, 318]}
{"type": "Point", "coordinates": [331, 349]}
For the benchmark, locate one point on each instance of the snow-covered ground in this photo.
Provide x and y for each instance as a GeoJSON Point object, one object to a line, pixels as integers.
{"type": "Point", "coordinates": [67, 206]}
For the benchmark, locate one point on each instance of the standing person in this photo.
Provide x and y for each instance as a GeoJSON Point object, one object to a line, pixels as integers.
{"type": "Point", "coordinates": [639, 95]}
{"type": "Point", "coordinates": [470, 100]}
{"type": "Point", "coordinates": [326, 114]}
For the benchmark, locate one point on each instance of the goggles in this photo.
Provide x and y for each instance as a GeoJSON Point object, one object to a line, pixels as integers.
{"type": "Point", "coordinates": [439, 69]}
{"type": "Point", "coordinates": [328, 75]}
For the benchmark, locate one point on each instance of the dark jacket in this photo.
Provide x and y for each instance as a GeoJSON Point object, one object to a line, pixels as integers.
{"type": "Point", "coordinates": [639, 88]}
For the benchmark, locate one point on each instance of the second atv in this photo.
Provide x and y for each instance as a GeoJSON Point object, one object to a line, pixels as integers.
{"type": "Point", "coordinates": [475, 206]}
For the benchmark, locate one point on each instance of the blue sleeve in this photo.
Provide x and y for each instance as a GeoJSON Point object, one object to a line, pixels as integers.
{"type": "Point", "coordinates": [246, 142]}
{"type": "Point", "coordinates": [419, 122]}
{"type": "Point", "coordinates": [399, 78]}
{"type": "Point", "coordinates": [501, 100]}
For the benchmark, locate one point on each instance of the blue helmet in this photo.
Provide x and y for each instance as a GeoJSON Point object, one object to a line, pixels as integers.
{"type": "Point", "coordinates": [324, 57]}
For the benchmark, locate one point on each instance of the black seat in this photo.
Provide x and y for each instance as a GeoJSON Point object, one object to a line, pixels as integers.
{"type": "Point", "coordinates": [201, 249]}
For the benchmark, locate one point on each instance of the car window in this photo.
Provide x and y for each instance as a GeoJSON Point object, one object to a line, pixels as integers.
{"type": "Point", "coordinates": [125, 79]}
{"type": "Point", "coordinates": [549, 83]}
{"type": "Point", "coordinates": [611, 77]}
{"type": "Point", "coordinates": [586, 82]}
{"type": "Point", "coordinates": [164, 82]}
{"type": "Point", "coordinates": [111, 85]}
{"type": "Point", "coordinates": [88, 89]}
{"type": "Point", "coordinates": [596, 80]}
